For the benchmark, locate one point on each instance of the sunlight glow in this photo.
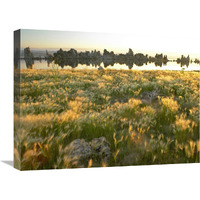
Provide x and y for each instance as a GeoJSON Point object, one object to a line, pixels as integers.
{"type": "Point", "coordinates": [119, 43]}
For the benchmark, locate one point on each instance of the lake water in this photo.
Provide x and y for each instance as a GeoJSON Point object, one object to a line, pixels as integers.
{"type": "Point", "coordinates": [150, 66]}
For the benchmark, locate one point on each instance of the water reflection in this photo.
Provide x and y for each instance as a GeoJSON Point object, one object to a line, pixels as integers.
{"type": "Point", "coordinates": [73, 63]}
{"type": "Point", "coordinates": [149, 66]}
{"type": "Point", "coordinates": [28, 57]}
{"type": "Point", "coordinates": [95, 59]}
{"type": "Point", "coordinates": [183, 61]}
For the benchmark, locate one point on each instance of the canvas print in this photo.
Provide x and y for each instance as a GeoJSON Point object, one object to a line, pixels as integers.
{"type": "Point", "coordinates": [102, 100]}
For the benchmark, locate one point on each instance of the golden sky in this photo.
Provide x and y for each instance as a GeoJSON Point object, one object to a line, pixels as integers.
{"type": "Point", "coordinates": [47, 39]}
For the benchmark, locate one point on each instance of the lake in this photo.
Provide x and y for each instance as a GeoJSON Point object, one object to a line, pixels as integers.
{"type": "Point", "coordinates": [150, 66]}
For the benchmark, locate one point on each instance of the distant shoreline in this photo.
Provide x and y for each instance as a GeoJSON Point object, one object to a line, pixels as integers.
{"type": "Point", "coordinates": [171, 55]}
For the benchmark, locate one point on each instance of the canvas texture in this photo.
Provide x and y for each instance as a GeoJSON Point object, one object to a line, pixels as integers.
{"type": "Point", "coordinates": [86, 100]}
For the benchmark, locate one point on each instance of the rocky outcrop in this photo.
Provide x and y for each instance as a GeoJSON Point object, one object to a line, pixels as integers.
{"type": "Point", "coordinates": [159, 56]}
{"type": "Point", "coordinates": [183, 61]}
{"type": "Point", "coordinates": [63, 58]}
{"type": "Point", "coordinates": [108, 55]}
{"type": "Point", "coordinates": [28, 57]}
{"type": "Point", "coordinates": [130, 53]}
{"type": "Point", "coordinates": [100, 149]}
{"type": "Point", "coordinates": [48, 57]}
{"type": "Point", "coordinates": [95, 55]}
{"type": "Point", "coordinates": [72, 58]}
{"type": "Point", "coordinates": [150, 96]}
{"type": "Point", "coordinates": [95, 58]}
{"type": "Point", "coordinates": [100, 68]}
{"type": "Point", "coordinates": [79, 152]}
{"type": "Point", "coordinates": [140, 59]}
{"type": "Point", "coordinates": [159, 59]}
{"type": "Point", "coordinates": [196, 61]}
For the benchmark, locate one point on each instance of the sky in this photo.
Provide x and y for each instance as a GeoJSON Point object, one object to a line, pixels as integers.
{"type": "Point", "coordinates": [119, 43]}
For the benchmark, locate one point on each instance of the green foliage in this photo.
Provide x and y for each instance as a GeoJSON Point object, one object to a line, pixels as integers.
{"type": "Point", "coordinates": [59, 106]}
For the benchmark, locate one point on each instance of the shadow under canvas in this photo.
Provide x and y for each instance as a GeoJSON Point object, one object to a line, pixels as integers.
{"type": "Point", "coordinates": [8, 162]}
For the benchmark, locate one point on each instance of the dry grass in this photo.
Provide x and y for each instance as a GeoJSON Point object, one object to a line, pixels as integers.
{"type": "Point", "coordinates": [90, 103]}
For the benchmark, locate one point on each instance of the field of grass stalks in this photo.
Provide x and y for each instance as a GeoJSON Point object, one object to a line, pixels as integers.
{"type": "Point", "coordinates": [59, 106]}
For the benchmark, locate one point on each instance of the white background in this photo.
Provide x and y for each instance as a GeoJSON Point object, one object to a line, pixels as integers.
{"type": "Point", "coordinates": [155, 18]}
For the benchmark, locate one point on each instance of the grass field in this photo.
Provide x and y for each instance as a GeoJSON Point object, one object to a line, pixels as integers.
{"type": "Point", "coordinates": [60, 106]}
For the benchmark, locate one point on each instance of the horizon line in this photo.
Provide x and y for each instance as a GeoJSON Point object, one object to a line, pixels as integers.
{"type": "Point", "coordinates": [172, 54]}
